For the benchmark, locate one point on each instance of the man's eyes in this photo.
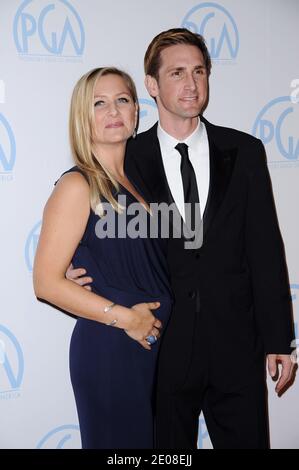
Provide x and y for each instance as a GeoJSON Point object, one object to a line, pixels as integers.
{"type": "Point", "coordinates": [182, 73]}
{"type": "Point", "coordinates": [177, 73]}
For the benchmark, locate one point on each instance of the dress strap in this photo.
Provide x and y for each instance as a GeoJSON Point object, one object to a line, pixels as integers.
{"type": "Point", "coordinates": [72, 170]}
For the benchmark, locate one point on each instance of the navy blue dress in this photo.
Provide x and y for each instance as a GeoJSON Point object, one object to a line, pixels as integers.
{"type": "Point", "coordinates": [113, 376]}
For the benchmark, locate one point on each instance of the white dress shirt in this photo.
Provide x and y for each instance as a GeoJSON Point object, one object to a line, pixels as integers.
{"type": "Point", "coordinates": [198, 148]}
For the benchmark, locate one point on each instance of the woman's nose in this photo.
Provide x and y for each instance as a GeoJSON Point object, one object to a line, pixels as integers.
{"type": "Point", "coordinates": [113, 109]}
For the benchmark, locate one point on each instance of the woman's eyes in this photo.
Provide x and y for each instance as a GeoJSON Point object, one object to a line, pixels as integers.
{"type": "Point", "coordinates": [102, 103]}
{"type": "Point", "coordinates": [123, 100]}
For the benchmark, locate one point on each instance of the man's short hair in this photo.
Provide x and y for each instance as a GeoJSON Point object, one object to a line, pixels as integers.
{"type": "Point", "coordinates": [172, 37]}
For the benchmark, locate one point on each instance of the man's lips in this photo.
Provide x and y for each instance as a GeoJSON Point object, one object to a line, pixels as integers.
{"type": "Point", "coordinates": [114, 125]}
{"type": "Point", "coordinates": [189, 98]}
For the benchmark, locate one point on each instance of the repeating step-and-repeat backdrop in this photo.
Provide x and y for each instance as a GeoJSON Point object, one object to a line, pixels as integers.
{"type": "Point", "coordinates": [45, 46]}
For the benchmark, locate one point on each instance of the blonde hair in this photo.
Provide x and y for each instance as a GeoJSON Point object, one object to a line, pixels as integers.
{"type": "Point", "coordinates": [81, 128]}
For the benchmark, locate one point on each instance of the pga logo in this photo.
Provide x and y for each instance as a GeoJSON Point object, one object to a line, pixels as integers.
{"type": "Point", "coordinates": [2, 91]}
{"type": "Point", "coordinates": [203, 440]}
{"type": "Point", "coordinates": [218, 27]}
{"type": "Point", "coordinates": [7, 148]}
{"type": "Point", "coordinates": [148, 113]}
{"type": "Point", "coordinates": [294, 292]}
{"type": "Point", "coordinates": [62, 437]}
{"type": "Point", "coordinates": [48, 28]}
{"type": "Point", "coordinates": [11, 363]}
{"type": "Point", "coordinates": [295, 342]}
{"type": "Point", "coordinates": [277, 126]}
{"type": "Point", "coordinates": [31, 245]}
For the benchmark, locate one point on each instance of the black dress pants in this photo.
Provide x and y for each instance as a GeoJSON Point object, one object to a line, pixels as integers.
{"type": "Point", "coordinates": [236, 416]}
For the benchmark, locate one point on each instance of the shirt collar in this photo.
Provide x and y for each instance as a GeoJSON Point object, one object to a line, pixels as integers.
{"type": "Point", "coordinates": [168, 143]}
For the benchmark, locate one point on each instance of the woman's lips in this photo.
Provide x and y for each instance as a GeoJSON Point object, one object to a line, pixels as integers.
{"type": "Point", "coordinates": [114, 125]}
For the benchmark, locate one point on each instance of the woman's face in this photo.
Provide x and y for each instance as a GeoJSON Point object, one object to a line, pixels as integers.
{"type": "Point", "coordinates": [114, 109]}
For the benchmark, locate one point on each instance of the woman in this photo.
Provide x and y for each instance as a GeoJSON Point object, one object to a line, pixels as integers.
{"type": "Point", "coordinates": [115, 342]}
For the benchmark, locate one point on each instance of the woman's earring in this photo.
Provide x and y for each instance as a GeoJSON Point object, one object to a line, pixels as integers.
{"type": "Point", "coordinates": [134, 134]}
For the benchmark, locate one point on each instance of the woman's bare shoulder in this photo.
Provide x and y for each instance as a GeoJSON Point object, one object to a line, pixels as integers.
{"type": "Point", "coordinates": [73, 183]}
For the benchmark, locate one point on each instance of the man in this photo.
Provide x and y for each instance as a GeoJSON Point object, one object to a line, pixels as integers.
{"type": "Point", "coordinates": [232, 302]}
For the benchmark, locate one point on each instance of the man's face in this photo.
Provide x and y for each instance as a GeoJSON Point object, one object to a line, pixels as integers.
{"type": "Point", "coordinates": [181, 89]}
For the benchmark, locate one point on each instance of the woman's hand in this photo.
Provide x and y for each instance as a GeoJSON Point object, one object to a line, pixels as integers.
{"type": "Point", "coordinates": [144, 323]}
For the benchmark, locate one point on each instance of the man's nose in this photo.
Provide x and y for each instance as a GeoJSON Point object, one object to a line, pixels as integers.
{"type": "Point", "coordinates": [190, 82]}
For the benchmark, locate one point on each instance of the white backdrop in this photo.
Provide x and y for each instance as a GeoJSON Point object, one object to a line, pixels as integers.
{"type": "Point", "coordinates": [45, 46]}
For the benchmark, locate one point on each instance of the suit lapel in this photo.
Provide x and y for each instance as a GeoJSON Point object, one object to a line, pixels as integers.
{"type": "Point", "coordinates": [144, 167]}
{"type": "Point", "coordinates": [221, 168]}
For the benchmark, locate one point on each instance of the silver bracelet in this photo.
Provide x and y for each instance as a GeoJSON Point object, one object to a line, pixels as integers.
{"type": "Point", "coordinates": [107, 309]}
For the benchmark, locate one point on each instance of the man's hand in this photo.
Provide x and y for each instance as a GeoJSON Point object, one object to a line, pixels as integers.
{"type": "Point", "coordinates": [77, 275]}
{"type": "Point", "coordinates": [285, 374]}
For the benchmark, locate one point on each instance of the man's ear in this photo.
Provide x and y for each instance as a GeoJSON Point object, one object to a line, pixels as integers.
{"type": "Point", "coordinates": [151, 85]}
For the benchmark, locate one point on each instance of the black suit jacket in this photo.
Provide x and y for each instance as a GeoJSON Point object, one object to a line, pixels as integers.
{"type": "Point", "coordinates": [235, 287]}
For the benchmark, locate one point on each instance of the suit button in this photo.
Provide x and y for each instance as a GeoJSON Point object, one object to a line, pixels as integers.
{"type": "Point", "coordinates": [192, 294]}
{"type": "Point", "coordinates": [199, 254]}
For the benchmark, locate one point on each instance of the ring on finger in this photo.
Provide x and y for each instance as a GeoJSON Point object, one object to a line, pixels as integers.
{"type": "Point", "coordinates": [151, 339]}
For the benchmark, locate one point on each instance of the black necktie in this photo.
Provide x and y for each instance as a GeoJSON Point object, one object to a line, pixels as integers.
{"type": "Point", "coordinates": [191, 195]}
{"type": "Point", "coordinates": [188, 175]}
{"type": "Point", "coordinates": [189, 179]}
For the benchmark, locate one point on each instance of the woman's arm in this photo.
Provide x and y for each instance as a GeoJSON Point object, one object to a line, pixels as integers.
{"type": "Point", "coordinates": [64, 220]}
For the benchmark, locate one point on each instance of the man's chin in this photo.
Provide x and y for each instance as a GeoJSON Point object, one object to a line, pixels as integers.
{"type": "Point", "coordinates": [191, 113]}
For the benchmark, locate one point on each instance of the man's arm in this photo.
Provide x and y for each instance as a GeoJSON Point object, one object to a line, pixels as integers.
{"type": "Point", "coordinates": [287, 364]}
{"type": "Point", "coordinates": [269, 277]}
{"type": "Point", "coordinates": [78, 276]}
